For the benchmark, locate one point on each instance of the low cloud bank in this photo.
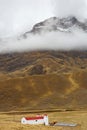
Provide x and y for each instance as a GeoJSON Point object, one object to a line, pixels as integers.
{"type": "Point", "coordinates": [48, 41]}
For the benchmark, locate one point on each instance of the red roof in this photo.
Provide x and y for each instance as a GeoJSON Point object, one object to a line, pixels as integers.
{"type": "Point", "coordinates": [34, 118]}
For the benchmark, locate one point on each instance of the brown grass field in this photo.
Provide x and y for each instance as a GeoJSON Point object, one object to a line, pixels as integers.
{"type": "Point", "coordinates": [12, 121]}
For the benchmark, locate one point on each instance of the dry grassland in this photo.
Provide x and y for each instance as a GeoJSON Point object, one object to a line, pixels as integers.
{"type": "Point", "coordinates": [44, 92]}
{"type": "Point", "coordinates": [12, 121]}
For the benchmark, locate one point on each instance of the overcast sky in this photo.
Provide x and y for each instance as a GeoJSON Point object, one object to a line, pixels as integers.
{"type": "Point", "coordinates": [20, 15]}
{"type": "Point", "coordinates": [77, 8]}
{"type": "Point", "coordinates": [17, 15]}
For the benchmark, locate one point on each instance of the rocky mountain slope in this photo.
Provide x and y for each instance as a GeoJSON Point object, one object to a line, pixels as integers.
{"type": "Point", "coordinates": [68, 24]}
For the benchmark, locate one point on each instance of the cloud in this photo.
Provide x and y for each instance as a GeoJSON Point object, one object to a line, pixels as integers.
{"type": "Point", "coordinates": [48, 41]}
{"type": "Point", "coordinates": [63, 8]}
{"type": "Point", "coordinates": [18, 16]}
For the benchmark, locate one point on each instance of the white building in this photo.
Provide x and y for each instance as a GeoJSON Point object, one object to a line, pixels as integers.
{"type": "Point", "coordinates": [35, 120]}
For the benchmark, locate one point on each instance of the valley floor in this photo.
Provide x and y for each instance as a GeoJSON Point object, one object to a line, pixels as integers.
{"type": "Point", "coordinates": [12, 121]}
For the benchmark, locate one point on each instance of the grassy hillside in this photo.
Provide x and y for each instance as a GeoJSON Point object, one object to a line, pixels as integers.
{"type": "Point", "coordinates": [68, 91]}
{"type": "Point", "coordinates": [42, 62]}
{"type": "Point", "coordinates": [43, 80]}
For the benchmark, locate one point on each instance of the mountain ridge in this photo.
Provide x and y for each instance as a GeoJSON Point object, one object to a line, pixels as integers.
{"type": "Point", "coordinates": [57, 25]}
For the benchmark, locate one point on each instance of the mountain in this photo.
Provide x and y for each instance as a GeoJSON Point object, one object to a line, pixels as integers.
{"type": "Point", "coordinates": [43, 80]}
{"type": "Point", "coordinates": [67, 24]}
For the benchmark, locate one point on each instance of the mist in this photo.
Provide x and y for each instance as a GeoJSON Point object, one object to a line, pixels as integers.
{"type": "Point", "coordinates": [19, 16]}
{"type": "Point", "coordinates": [48, 41]}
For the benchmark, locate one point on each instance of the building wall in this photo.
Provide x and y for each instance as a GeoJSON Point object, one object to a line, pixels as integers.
{"type": "Point", "coordinates": [32, 122]}
{"type": "Point", "coordinates": [46, 121]}
{"type": "Point", "coordinates": [41, 121]}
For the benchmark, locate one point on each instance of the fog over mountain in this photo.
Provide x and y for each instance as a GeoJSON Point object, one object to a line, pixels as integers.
{"type": "Point", "coordinates": [20, 16]}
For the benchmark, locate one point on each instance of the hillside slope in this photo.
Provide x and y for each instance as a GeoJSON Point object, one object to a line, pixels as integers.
{"type": "Point", "coordinates": [43, 80]}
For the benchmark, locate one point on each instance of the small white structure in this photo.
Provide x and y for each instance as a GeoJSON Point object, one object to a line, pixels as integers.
{"type": "Point", "coordinates": [35, 120]}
